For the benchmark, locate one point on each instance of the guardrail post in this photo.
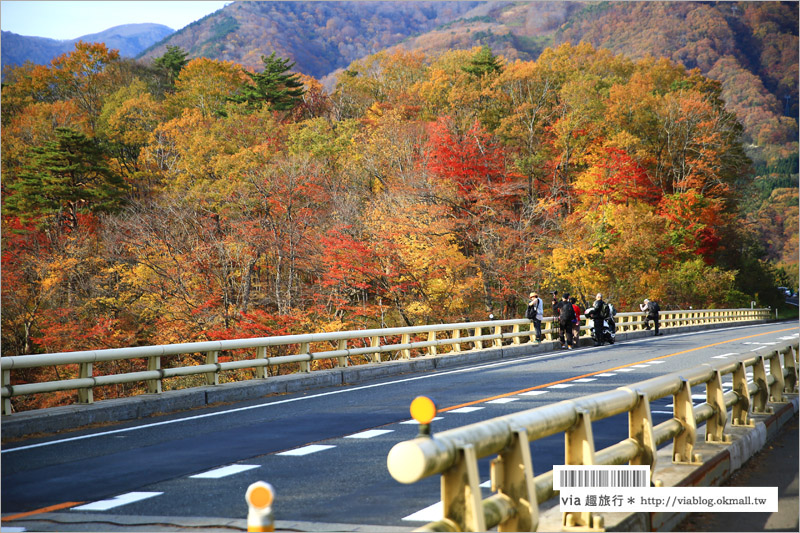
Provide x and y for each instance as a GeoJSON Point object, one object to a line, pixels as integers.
{"type": "Point", "coordinates": [261, 354]}
{"type": "Point", "coordinates": [305, 366]}
{"type": "Point", "coordinates": [790, 369]}
{"type": "Point", "coordinates": [741, 409]}
{"type": "Point", "coordinates": [478, 344]}
{"type": "Point", "coordinates": [715, 426]}
{"type": "Point", "coordinates": [341, 361]}
{"type": "Point", "coordinates": [456, 345]}
{"type": "Point", "coordinates": [640, 429]}
{"type": "Point", "coordinates": [498, 342]}
{"type": "Point", "coordinates": [512, 476]}
{"type": "Point", "coordinates": [7, 408]}
{"type": "Point", "coordinates": [778, 383]}
{"type": "Point", "coordinates": [375, 342]}
{"type": "Point", "coordinates": [154, 385]}
{"type": "Point", "coordinates": [405, 353]}
{"type": "Point", "coordinates": [432, 347]}
{"type": "Point", "coordinates": [760, 378]}
{"type": "Point", "coordinates": [683, 444]}
{"type": "Point", "coordinates": [86, 395]}
{"type": "Point", "coordinates": [515, 331]}
{"type": "Point", "coordinates": [461, 492]}
{"type": "Point", "coordinates": [579, 450]}
{"type": "Point", "coordinates": [212, 358]}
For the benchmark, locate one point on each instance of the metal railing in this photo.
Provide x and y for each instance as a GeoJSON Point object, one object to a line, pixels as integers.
{"type": "Point", "coordinates": [514, 506]}
{"type": "Point", "coordinates": [375, 344]}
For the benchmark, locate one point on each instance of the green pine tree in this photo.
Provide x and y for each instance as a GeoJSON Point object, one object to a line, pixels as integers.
{"type": "Point", "coordinates": [63, 178]}
{"type": "Point", "coordinates": [171, 63]}
{"type": "Point", "coordinates": [279, 90]}
{"type": "Point", "coordinates": [483, 62]}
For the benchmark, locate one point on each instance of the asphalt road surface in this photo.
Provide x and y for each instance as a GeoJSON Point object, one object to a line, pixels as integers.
{"type": "Point", "coordinates": [325, 451]}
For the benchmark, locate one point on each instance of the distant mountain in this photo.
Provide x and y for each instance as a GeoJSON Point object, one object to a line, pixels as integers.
{"type": "Point", "coordinates": [129, 39]}
{"type": "Point", "coordinates": [319, 36]}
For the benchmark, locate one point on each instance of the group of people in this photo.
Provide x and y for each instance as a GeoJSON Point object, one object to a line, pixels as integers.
{"type": "Point", "coordinates": [567, 313]}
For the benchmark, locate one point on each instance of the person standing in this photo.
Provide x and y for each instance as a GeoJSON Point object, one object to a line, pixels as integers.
{"type": "Point", "coordinates": [576, 324]}
{"type": "Point", "coordinates": [566, 315]}
{"type": "Point", "coordinates": [555, 305]}
{"type": "Point", "coordinates": [652, 312]}
{"type": "Point", "coordinates": [599, 314]}
{"type": "Point", "coordinates": [535, 313]}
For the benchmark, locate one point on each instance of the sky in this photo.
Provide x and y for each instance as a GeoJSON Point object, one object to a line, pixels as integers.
{"type": "Point", "coordinates": [70, 20]}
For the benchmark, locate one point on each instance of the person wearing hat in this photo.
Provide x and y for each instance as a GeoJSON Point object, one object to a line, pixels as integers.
{"type": "Point", "coordinates": [652, 312]}
{"type": "Point", "coordinates": [535, 313]}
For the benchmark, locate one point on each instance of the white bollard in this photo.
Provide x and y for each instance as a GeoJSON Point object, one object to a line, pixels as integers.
{"type": "Point", "coordinates": [259, 499]}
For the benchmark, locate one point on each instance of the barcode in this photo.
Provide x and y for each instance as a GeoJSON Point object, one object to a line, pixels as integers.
{"type": "Point", "coordinates": [594, 477]}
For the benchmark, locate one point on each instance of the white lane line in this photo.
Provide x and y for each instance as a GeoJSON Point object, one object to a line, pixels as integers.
{"type": "Point", "coordinates": [639, 366]}
{"type": "Point", "coordinates": [14, 529]}
{"type": "Point", "coordinates": [534, 393]}
{"type": "Point", "coordinates": [584, 380]}
{"type": "Point", "coordinates": [625, 370]}
{"type": "Point", "coordinates": [429, 514]}
{"type": "Point", "coordinates": [724, 355]}
{"type": "Point", "coordinates": [224, 471]}
{"type": "Point", "coordinates": [462, 410]}
{"type": "Point", "coordinates": [656, 362]}
{"type": "Point", "coordinates": [605, 375]}
{"type": "Point", "coordinates": [757, 348]}
{"type": "Point", "coordinates": [486, 484]}
{"type": "Point", "coordinates": [343, 391]}
{"type": "Point", "coordinates": [412, 421]}
{"type": "Point", "coordinates": [662, 412]}
{"type": "Point", "coordinates": [122, 499]}
{"type": "Point", "coordinates": [503, 400]}
{"type": "Point", "coordinates": [560, 386]}
{"type": "Point", "coordinates": [305, 450]}
{"type": "Point", "coordinates": [370, 433]}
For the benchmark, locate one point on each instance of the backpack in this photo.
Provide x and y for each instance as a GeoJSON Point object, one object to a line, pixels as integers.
{"type": "Point", "coordinates": [606, 311]}
{"type": "Point", "coordinates": [654, 307]}
{"type": "Point", "coordinates": [567, 312]}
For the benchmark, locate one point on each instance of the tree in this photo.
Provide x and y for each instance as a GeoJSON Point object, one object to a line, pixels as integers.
{"type": "Point", "coordinates": [171, 63]}
{"type": "Point", "coordinates": [281, 91]}
{"type": "Point", "coordinates": [65, 178]}
{"type": "Point", "coordinates": [483, 62]}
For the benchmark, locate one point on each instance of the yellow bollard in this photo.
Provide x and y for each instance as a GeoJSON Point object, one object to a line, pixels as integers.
{"type": "Point", "coordinates": [259, 499]}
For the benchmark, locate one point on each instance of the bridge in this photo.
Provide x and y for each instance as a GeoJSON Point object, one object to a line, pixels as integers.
{"type": "Point", "coordinates": [321, 437]}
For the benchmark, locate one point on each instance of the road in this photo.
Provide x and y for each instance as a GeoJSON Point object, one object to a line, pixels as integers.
{"type": "Point", "coordinates": [325, 451]}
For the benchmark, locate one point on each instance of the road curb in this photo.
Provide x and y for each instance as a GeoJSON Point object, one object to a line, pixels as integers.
{"type": "Point", "coordinates": [71, 417]}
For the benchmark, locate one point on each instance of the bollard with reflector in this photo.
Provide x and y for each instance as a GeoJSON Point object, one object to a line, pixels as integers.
{"type": "Point", "coordinates": [259, 499]}
{"type": "Point", "coordinates": [423, 410]}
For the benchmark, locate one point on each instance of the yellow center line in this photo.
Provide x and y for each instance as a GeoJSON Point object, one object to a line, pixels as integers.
{"type": "Point", "coordinates": [42, 510]}
{"type": "Point", "coordinates": [506, 395]}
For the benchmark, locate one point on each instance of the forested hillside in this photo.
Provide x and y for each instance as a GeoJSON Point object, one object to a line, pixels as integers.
{"type": "Point", "coordinates": [196, 199]}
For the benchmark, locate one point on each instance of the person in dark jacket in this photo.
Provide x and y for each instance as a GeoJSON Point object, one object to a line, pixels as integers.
{"type": "Point", "coordinates": [599, 314]}
{"type": "Point", "coordinates": [652, 312]}
{"type": "Point", "coordinates": [535, 313]}
{"type": "Point", "coordinates": [566, 316]}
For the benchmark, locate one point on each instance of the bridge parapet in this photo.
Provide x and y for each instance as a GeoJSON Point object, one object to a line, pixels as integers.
{"type": "Point", "coordinates": [514, 506]}
{"type": "Point", "coordinates": [339, 348]}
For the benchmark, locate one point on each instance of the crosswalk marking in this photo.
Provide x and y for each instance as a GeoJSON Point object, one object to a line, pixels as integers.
{"type": "Point", "coordinates": [305, 450]}
{"type": "Point", "coordinates": [224, 471]}
{"type": "Point", "coordinates": [370, 433]}
{"type": "Point", "coordinates": [118, 501]}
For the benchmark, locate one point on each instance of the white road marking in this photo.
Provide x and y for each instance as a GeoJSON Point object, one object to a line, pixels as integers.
{"type": "Point", "coordinates": [560, 386]}
{"type": "Point", "coordinates": [639, 366]}
{"type": "Point", "coordinates": [412, 421]}
{"type": "Point", "coordinates": [370, 433]}
{"type": "Point", "coordinates": [659, 362]}
{"type": "Point", "coordinates": [342, 391]}
{"type": "Point", "coordinates": [503, 400]}
{"type": "Point", "coordinates": [15, 529]}
{"type": "Point", "coordinates": [429, 514]}
{"type": "Point", "coordinates": [534, 393]}
{"type": "Point", "coordinates": [462, 410]}
{"type": "Point", "coordinates": [122, 499]}
{"type": "Point", "coordinates": [224, 471]}
{"type": "Point", "coordinates": [625, 370]}
{"type": "Point", "coordinates": [486, 484]}
{"type": "Point", "coordinates": [305, 450]}
{"type": "Point", "coordinates": [605, 375]}
{"type": "Point", "coordinates": [724, 355]}
{"type": "Point", "coordinates": [584, 380]}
